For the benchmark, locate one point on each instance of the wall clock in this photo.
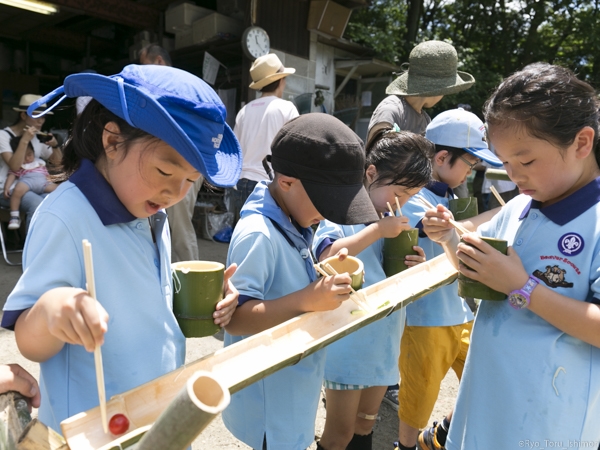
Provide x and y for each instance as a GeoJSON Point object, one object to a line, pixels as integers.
{"type": "Point", "coordinates": [255, 42]}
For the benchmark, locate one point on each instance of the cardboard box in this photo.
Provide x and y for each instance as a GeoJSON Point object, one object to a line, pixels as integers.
{"type": "Point", "coordinates": [181, 17]}
{"type": "Point", "coordinates": [328, 17]}
{"type": "Point", "coordinates": [183, 38]}
{"type": "Point", "coordinates": [214, 26]}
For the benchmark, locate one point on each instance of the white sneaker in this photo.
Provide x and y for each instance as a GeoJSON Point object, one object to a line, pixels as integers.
{"type": "Point", "coordinates": [14, 223]}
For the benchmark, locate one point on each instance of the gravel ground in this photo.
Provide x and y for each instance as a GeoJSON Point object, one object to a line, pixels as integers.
{"type": "Point", "coordinates": [216, 436]}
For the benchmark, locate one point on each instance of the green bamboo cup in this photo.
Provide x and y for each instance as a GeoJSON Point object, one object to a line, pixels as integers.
{"type": "Point", "coordinates": [351, 265]}
{"type": "Point", "coordinates": [396, 249]}
{"type": "Point", "coordinates": [497, 174]}
{"type": "Point", "coordinates": [198, 287]}
{"type": "Point", "coordinates": [463, 208]}
{"type": "Point", "coordinates": [468, 287]}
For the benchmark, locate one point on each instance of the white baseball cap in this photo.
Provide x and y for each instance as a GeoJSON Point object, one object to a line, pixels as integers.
{"type": "Point", "coordinates": [461, 129]}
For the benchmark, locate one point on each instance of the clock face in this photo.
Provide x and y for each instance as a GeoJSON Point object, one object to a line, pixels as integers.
{"type": "Point", "coordinates": [256, 42]}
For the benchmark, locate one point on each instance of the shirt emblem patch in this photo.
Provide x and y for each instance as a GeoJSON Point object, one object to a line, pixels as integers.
{"type": "Point", "coordinates": [554, 277]}
{"type": "Point", "coordinates": [570, 244]}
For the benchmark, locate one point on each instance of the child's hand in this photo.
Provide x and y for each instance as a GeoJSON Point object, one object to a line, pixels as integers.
{"type": "Point", "coordinates": [226, 307]}
{"type": "Point", "coordinates": [413, 260]}
{"type": "Point", "coordinates": [14, 378]}
{"type": "Point", "coordinates": [6, 191]}
{"type": "Point", "coordinates": [503, 273]}
{"type": "Point", "coordinates": [328, 292]}
{"type": "Point", "coordinates": [392, 226]}
{"type": "Point", "coordinates": [436, 224]}
{"type": "Point", "coordinates": [77, 318]}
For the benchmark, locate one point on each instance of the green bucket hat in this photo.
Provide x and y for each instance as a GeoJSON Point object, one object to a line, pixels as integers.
{"type": "Point", "coordinates": [431, 72]}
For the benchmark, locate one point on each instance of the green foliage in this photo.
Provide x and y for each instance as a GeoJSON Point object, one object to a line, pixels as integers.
{"type": "Point", "coordinates": [380, 27]}
{"type": "Point", "coordinates": [493, 38]}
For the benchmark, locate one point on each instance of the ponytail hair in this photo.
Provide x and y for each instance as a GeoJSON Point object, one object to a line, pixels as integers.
{"type": "Point", "coordinates": [400, 157]}
{"type": "Point", "coordinates": [549, 101]}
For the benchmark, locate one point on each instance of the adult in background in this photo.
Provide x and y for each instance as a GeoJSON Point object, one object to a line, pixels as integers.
{"type": "Point", "coordinates": [155, 54]}
{"type": "Point", "coordinates": [31, 131]}
{"type": "Point", "coordinates": [184, 242]}
{"type": "Point", "coordinates": [258, 122]}
{"type": "Point", "coordinates": [430, 74]}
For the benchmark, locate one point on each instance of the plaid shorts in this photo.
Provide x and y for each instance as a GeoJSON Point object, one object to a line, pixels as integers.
{"type": "Point", "coordinates": [343, 387]}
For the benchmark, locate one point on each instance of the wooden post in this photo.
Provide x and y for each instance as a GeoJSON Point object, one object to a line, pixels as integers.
{"type": "Point", "coordinates": [202, 398]}
{"type": "Point", "coordinates": [37, 436]}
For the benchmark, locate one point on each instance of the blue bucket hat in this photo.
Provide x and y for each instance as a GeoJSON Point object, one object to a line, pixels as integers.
{"type": "Point", "coordinates": [171, 104]}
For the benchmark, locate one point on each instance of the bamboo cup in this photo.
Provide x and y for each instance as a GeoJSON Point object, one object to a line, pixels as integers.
{"type": "Point", "coordinates": [198, 287]}
{"type": "Point", "coordinates": [463, 208]}
{"type": "Point", "coordinates": [468, 287]}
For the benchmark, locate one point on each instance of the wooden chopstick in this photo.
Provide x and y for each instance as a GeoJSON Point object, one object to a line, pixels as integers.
{"type": "Point", "coordinates": [356, 298]}
{"type": "Point", "coordinates": [398, 206]}
{"type": "Point", "coordinates": [390, 208]}
{"type": "Point", "coordinates": [454, 223]}
{"type": "Point", "coordinates": [333, 271]}
{"type": "Point", "coordinates": [91, 287]}
{"type": "Point", "coordinates": [497, 195]}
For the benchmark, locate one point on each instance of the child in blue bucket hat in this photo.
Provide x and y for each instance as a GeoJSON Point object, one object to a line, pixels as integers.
{"type": "Point", "coordinates": [135, 150]}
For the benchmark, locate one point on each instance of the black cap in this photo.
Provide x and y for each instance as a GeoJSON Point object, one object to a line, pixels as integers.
{"type": "Point", "coordinates": [329, 159]}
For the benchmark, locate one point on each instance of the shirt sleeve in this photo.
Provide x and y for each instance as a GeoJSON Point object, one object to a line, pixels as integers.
{"type": "Point", "coordinates": [327, 231]}
{"type": "Point", "coordinates": [389, 112]}
{"type": "Point", "coordinates": [5, 141]}
{"type": "Point", "coordinates": [51, 259]}
{"type": "Point", "coordinates": [255, 258]}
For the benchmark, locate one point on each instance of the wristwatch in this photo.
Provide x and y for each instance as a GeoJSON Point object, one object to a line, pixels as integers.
{"type": "Point", "coordinates": [520, 298]}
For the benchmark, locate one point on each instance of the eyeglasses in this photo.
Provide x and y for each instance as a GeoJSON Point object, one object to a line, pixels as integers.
{"type": "Point", "coordinates": [468, 163]}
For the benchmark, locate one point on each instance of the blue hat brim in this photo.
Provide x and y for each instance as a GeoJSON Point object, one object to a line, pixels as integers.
{"type": "Point", "coordinates": [209, 144]}
{"type": "Point", "coordinates": [486, 155]}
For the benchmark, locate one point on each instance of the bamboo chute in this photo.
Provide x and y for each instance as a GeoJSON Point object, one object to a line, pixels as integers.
{"type": "Point", "coordinates": [260, 355]}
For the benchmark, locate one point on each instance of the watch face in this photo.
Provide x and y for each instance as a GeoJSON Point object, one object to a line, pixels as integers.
{"type": "Point", "coordinates": [257, 42]}
{"type": "Point", "coordinates": [518, 300]}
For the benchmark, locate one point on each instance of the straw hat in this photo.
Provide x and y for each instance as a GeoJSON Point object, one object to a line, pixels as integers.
{"type": "Point", "coordinates": [267, 69]}
{"type": "Point", "coordinates": [431, 72]}
{"type": "Point", "coordinates": [27, 100]}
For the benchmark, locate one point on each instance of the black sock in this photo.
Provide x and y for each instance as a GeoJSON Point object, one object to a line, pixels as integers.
{"type": "Point", "coordinates": [404, 447]}
{"type": "Point", "coordinates": [361, 442]}
{"type": "Point", "coordinates": [441, 432]}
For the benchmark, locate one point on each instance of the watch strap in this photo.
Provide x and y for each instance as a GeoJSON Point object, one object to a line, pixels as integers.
{"type": "Point", "coordinates": [520, 298]}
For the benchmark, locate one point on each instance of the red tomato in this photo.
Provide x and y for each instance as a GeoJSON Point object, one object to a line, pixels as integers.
{"type": "Point", "coordinates": [118, 424]}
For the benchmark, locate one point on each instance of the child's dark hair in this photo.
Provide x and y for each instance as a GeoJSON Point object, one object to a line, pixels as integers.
{"type": "Point", "coordinates": [454, 152]}
{"type": "Point", "coordinates": [549, 101]}
{"type": "Point", "coordinates": [401, 158]}
{"type": "Point", "coordinates": [85, 141]}
{"type": "Point", "coordinates": [15, 141]}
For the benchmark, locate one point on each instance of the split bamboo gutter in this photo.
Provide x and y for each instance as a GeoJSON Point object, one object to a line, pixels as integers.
{"type": "Point", "coordinates": [258, 356]}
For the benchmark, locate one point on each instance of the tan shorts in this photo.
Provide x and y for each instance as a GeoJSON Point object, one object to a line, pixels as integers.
{"type": "Point", "coordinates": [426, 355]}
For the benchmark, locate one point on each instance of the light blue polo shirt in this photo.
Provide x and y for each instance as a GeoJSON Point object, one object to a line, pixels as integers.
{"type": "Point", "coordinates": [273, 258]}
{"type": "Point", "coordinates": [526, 381]}
{"type": "Point", "coordinates": [443, 307]}
{"type": "Point", "coordinates": [133, 283]}
{"type": "Point", "coordinates": [368, 356]}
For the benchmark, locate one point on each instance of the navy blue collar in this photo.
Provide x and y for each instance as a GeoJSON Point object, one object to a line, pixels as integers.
{"type": "Point", "coordinates": [440, 189]}
{"type": "Point", "coordinates": [100, 194]}
{"type": "Point", "coordinates": [568, 208]}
